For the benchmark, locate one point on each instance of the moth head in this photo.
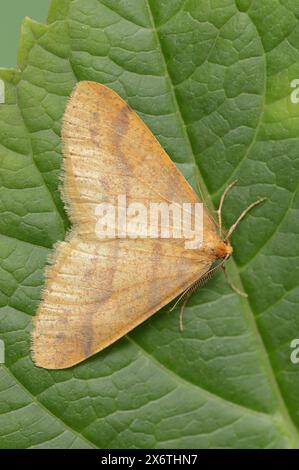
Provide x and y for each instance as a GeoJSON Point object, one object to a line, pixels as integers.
{"type": "Point", "coordinates": [224, 249]}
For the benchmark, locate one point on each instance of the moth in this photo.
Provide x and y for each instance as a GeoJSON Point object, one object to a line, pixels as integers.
{"type": "Point", "coordinates": [97, 290]}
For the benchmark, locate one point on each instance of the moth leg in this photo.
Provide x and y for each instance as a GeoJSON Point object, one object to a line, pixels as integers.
{"type": "Point", "coordinates": [194, 287]}
{"type": "Point", "coordinates": [232, 286]}
{"type": "Point", "coordinates": [181, 297]}
{"type": "Point", "coordinates": [219, 211]}
{"type": "Point", "coordinates": [182, 309]}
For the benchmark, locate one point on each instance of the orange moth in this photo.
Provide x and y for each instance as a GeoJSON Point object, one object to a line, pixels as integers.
{"type": "Point", "coordinates": [99, 289]}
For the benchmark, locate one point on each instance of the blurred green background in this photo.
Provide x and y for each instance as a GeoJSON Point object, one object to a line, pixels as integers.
{"type": "Point", "coordinates": [11, 14]}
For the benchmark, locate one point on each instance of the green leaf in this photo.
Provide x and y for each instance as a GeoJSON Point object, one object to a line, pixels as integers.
{"type": "Point", "coordinates": [213, 82]}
